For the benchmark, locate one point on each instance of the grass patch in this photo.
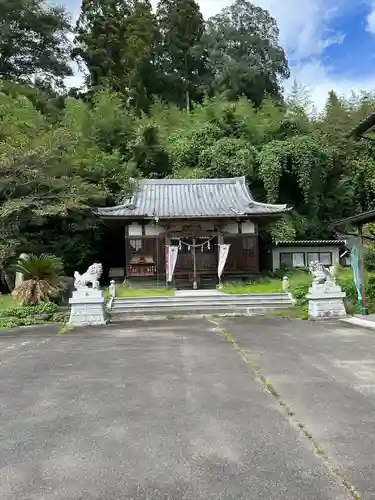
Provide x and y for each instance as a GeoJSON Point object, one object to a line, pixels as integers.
{"type": "Point", "coordinates": [7, 302]}
{"type": "Point", "coordinates": [297, 312]}
{"type": "Point", "coordinates": [269, 286]}
{"type": "Point", "coordinates": [13, 315]}
{"type": "Point", "coordinates": [123, 291]}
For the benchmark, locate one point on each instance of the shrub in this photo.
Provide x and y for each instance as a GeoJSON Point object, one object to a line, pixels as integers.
{"type": "Point", "coordinates": [60, 317]}
{"type": "Point", "coordinates": [48, 308]}
{"type": "Point", "coordinates": [42, 279]}
{"type": "Point", "coordinates": [370, 258]}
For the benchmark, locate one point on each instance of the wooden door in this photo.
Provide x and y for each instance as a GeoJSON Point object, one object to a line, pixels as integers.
{"type": "Point", "coordinates": [206, 256]}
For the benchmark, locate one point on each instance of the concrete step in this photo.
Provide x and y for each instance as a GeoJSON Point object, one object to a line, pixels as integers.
{"type": "Point", "coordinates": [219, 298]}
{"type": "Point", "coordinates": [197, 304]}
{"type": "Point", "coordinates": [135, 312]}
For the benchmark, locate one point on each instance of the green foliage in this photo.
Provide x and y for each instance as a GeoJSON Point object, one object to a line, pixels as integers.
{"type": "Point", "coordinates": [180, 64]}
{"type": "Point", "coordinates": [115, 40]}
{"type": "Point", "coordinates": [72, 166]}
{"type": "Point", "coordinates": [8, 323]}
{"type": "Point", "coordinates": [229, 157]}
{"type": "Point", "coordinates": [60, 317]}
{"type": "Point", "coordinates": [42, 279]}
{"type": "Point", "coordinates": [34, 42]}
{"type": "Point", "coordinates": [149, 156]}
{"type": "Point", "coordinates": [27, 316]}
{"type": "Point", "coordinates": [258, 286]}
{"type": "Point", "coordinates": [45, 308]}
{"type": "Point", "coordinates": [168, 96]}
{"type": "Point", "coordinates": [245, 58]}
{"type": "Point", "coordinates": [370, 258]}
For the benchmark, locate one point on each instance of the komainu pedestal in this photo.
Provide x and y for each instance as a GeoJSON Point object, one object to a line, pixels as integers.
{"type": "Point", "coordinates": [88, 308]}
{"type": "Point", "coordinates": [326, 301]}
{"type": "Point", "coordinates": [88, 305]}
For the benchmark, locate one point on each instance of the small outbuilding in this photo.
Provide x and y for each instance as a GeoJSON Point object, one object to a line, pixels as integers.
{"type": "Point", "coordinates": [300, 253]}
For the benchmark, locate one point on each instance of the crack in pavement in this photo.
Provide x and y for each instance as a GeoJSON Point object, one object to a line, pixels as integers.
{"type": "Point", "coordinates": [289, 413]}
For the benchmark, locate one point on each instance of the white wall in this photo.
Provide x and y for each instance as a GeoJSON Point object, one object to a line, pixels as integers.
{"type": "Point", "coordinates": [151, 229]}
{"type": "Point", "coordinates": [247, 227]}
{"type": "Point", "coordinates": [334, 250]}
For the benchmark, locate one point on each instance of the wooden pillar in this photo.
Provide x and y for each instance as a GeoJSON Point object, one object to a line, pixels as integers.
{"type": "Point", "coordinates": [126, 240]}
{"type": "Point", "coordinates": [362, 264]}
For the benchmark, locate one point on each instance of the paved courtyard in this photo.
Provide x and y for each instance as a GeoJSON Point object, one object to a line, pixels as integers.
{"type": "Point", "coordinates": [233, 408]}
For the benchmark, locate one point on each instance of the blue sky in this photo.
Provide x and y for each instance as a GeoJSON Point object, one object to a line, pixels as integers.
{"type": "Point", "coordinates": [330, 43]}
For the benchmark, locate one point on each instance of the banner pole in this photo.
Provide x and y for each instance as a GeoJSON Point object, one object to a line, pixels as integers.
{"type": "Point", "coordinates": [195, 286]}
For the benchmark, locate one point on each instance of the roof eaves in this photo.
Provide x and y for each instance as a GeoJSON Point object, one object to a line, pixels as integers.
{"type": "Point", "coordinates": [356, 220]}
{"type": "Point", "coordinates": [309, 242]}
{"type": "Point", "coordinates": [362, 126]}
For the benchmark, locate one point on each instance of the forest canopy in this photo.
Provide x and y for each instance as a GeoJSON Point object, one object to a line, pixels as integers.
{"type": "Point", "coordinates": [167, 94]}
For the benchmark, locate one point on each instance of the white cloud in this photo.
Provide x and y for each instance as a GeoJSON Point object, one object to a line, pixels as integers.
{"type": "Point", "coordinates": [319, 82]}
{"type": "Point", "coordinates": [371, 18]}
{"type": "Point", "coordinates": [305, 33]}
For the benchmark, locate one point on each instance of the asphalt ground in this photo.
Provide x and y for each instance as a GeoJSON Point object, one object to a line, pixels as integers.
{"type": "Point", "coordinates": [174, 410]}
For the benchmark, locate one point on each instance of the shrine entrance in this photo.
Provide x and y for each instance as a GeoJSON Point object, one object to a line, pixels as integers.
{"type": "Point", "coordinates": [197, 262]}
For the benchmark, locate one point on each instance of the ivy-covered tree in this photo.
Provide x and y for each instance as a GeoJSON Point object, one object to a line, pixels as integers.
{"type": "Point", "coordinates": [242, 43]}
{"type": "Point", "coordinates": [34, 42]}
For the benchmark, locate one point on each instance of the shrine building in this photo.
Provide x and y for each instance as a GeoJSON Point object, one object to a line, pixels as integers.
{"type": "Point", "coordinates": [210, 223]}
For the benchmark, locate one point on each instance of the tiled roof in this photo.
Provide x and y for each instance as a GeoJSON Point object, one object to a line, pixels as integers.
{"type": "Point", "coordinates": [310, 242]}
{"type": "Point", "coordinates": [183, 198]}
{"type": "Point", "coordinates": [363, 127]}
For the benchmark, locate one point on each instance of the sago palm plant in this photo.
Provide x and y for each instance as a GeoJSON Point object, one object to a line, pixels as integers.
{"type": "Point", "coordinates": [42, 279]}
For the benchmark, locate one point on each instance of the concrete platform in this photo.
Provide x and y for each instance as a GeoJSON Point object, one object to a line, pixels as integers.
{"type": "Point", "coordinates": [363, 321]}
{"type": "Point", "coordinates": [197, 293]}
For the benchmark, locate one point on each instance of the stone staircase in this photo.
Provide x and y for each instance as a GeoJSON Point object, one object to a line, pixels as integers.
{"type": "Point", "coordinates": [200, 302]}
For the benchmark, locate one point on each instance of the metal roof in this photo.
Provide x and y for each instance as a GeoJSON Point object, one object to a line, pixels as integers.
{"type": "Point", "coordinates": [310, 242]}
{"type": "Point", "coordinates": [356, 220]}
{"type": "Point", "coordinates": [365, 126]}
{"type": "Point", "coordinates": [186, 198]}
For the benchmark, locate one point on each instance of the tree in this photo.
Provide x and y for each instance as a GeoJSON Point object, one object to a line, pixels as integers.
{"type": "Point", "coordinates": [34, 42]}
{"type": "Point", "coordinates": [244, 53]}
{"type": "Point", "coordinates": [229, 157]}
{"type": "Point", "coordinates": [115, 39]}
{"type": "Point", "coordinates": [181, 65]}
{"type": "Point", "coordinates": [295, 171]}
{"type": "Point", "coordinates": [150, 158]}
{"type": "Point", "coordinates": [51, 177]}
{"type": "Point", "coordinates": [42, 279]}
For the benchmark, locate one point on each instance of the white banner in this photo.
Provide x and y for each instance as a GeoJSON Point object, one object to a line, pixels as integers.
{"type": "Point", "coordinates": [171, 259]}
{"type": "Point", "coordinates": [223, 255]}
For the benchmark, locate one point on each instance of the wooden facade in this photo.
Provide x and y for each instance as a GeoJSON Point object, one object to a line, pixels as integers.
{"type": "Point", "coordinates": [144, 256]}
{"type": "Point", "coordinates": [197, 216]}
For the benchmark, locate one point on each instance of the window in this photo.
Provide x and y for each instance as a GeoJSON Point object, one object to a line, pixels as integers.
{"type": "Point", "coordinates": [312, 257]}
{"type": "Point", "coordinates": [299, 259]}
{"type": "Point", "coordinates": [286, 259]}
{"type": "Point", "coordinates": [324, 258]}
{"type": "Point", "coordinates": [292, 259]}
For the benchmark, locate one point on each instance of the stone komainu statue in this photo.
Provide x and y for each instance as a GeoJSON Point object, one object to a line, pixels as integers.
{"type": "Point", "coordinates": [92, 275]}
{"type": "Point", "coordinates": [321, 274]}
